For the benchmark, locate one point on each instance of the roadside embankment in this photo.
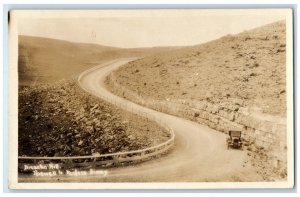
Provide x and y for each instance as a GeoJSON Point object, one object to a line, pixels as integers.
{"type": "Point", "coordinates": [63, 120]}
{"type": "Point", "coordinates": [265, 135]}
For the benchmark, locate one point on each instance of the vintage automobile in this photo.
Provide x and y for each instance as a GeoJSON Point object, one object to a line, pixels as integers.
{"type": "Point", "coordinates": [234, 140]}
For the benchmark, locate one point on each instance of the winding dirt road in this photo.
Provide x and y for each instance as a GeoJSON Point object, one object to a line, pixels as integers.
{"type": "Point", "coordinates": [199, 153]}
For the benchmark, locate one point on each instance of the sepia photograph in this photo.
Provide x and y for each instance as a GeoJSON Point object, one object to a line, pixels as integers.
{"type": "Point", "coordinates": [151, 99]}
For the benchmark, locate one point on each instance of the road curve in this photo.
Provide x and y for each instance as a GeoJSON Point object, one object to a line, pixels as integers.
{"type": "Point", "coordinates": [199, 153]}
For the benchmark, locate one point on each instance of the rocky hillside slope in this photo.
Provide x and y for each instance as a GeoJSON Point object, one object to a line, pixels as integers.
{"type": "Point", "coordinates": [63, 120]}
{"type": "Point", "coordinates": [246, 70]}
{"type": "Point", "coordinates": [237, 82]}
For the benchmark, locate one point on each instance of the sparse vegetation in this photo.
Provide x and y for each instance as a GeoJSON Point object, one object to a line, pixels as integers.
{"type": "Point", "coordinates": [248, 66]}
{"type": "Point", "coordinates": [63, 120]}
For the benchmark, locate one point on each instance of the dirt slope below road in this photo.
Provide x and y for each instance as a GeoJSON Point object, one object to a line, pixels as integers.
{"type": "Point", "coordinates": [63, 120]}
{"type": "Point", "coordinates": [247, 70]}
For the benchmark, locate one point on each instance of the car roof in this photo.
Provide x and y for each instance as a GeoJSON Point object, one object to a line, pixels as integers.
{"type": "Point", "coordinates": [235, 133]}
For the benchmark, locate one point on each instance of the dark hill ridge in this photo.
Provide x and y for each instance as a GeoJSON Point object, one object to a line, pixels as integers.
{"type": "Point", "coordinates": [247, 69]}
{"type": "Point", "coordinates": [46, 60]}
{"type": "Point", "coordinates": [43, 60]}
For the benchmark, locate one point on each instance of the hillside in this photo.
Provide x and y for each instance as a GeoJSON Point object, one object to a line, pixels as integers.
{"type": "Point", "coordinates": [62, 120]}
{"type": "Point", "coordinates": [247, 70]}
{"type": "Point", "coordinates": [43, 60]}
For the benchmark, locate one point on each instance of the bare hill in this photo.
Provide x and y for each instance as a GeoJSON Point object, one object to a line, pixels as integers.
{"type": "Point", "coordinates": [43, 60]}
{"type": "Point", "coordinates": [247, 69]}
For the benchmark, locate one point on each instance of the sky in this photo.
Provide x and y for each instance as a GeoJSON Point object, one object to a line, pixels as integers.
{"type": "Point", "coordinates": [143, 28]}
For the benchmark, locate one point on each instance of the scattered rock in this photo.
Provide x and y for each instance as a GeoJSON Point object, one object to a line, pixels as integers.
{"type": "Point", "coordinates": [282, 91]}
{"type": "Point", "coordinates": [60, 125]}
